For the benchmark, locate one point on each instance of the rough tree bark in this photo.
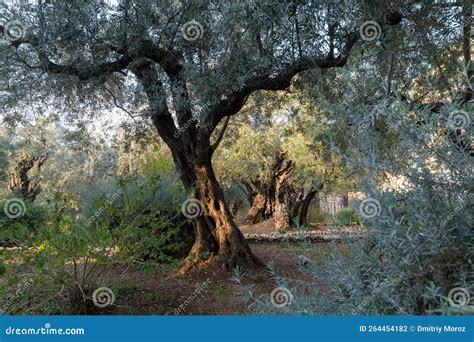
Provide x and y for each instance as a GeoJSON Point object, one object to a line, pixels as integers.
{"type": "Point", "coordinates": [278, 199]}
{"type": "Point", "coordinates": [19, 180]}
{"type": "Point", "coordinates": [189, 140]}
{"type": "Point", "coordinates": [303, 216]}
{"type": "Point", "coordinates": [232, 248]}
{"type": "Point", "coordinates": [217, 235]}
{"type": "Point", "coordinates": [282, 168]}
{"type": "Point", "coordinates": [260, 209]}
{"type": "Point", "coordinates": [265, 201]}
{"type": "Point", "coordinates": [262, 202]}
{"type": "Point", "coordinates": [296, 206]}
{"type": "Point", "coordinates": [301, 204]}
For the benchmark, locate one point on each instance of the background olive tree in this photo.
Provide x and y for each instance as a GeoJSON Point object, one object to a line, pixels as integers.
{"type": "Point", "coordinates": [186, 66]}
{"type": "Point", "coordinates": [407, 124]}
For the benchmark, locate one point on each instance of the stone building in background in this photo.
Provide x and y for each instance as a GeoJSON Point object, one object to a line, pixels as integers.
{"type": "Point", "coordinates": [331, 204]}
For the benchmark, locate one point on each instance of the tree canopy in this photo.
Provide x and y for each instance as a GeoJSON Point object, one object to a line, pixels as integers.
{"type": "Point", "coordinates": [187, 68]}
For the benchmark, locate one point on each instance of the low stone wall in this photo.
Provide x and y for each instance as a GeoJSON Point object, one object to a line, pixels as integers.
{"type": "Point", "coordinates": [329, 235]}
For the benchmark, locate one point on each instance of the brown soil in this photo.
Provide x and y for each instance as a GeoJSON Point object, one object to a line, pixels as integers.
{"type": "Point", "coordinates": [147, 293]}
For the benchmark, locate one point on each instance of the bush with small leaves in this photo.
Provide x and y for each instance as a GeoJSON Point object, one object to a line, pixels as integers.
{"type": "Point", "coordinates": [419, 235]}
{"type": "Point", "coordinates": [347, 217]}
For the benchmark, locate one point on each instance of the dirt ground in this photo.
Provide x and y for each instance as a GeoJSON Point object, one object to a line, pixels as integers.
{"type": "Point", "coordinates": [159, 291]}
{"type": "Point", "coordinates": [152, 288]}
{"type": "Point", "coordinates": [148, 293]}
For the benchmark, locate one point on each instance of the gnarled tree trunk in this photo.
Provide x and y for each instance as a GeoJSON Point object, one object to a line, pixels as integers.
{"type": "Point", "coordinates": [301, 205]}
{"type": "Point", "coordinates": [282, 169]}
{"type": "Point", "coordinates": [229, 245]}
{"type": "Point", "coordinates": [303, 215]}
{"type": "Point", "coordinates": [262, 205]}
{"type": "Point", "coordinates": [273, 195]}
{"type": "Point", "coordinates": [296, 206]}
{"type": "Point", "coordinates": [20, 181]}
{"type": "Point", "coordinates": [217, 236]}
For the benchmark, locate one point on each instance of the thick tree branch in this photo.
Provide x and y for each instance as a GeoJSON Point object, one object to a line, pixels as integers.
{"type": "Point", "coordinates": [467, 37]}
{"type": "Point", "coordinates": [172, 62]}
{"type": "Point", "coordinates": [160, 114]}
{"type": "Point", "coordinates": [278, 81]}
{"type": "Point", "coordinates": [221, 134]}
{"type": "Point", "coordinates": [87, 72]}
{"type": "Point", "coordinates": [83, 73]}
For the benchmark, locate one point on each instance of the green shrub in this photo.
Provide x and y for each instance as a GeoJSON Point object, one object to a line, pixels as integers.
{"type": "Point", "coordinates": [72, 251]}
{"type": "Point", "coordinates": [419, 238]}
{"type": "Point", "coordinates": [20, 220]}
{"type": "Point", "coordinates": [347, 217]}
{"type": "Point", "coordinates": [144, 214]}
{"type": "Point", "coordinates": [316, 215]}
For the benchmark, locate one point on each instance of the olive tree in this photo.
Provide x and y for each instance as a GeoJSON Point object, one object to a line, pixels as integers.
{"type": "Point", "coordinates": [277, 153]}
{"type": "Point", "coordinates": [188, 66]}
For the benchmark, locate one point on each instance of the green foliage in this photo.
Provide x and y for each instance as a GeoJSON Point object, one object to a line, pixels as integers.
{"type": "Point", "coordinates": [369, 114]}
{"type": "Point", "coordinates": [15, 231]}
{"type": "Point", "coordinates": [347, 217]}
{"type": "Point", "coordinates": [316, 215]}
{"type": "Point", "coordinates": [67, 253]}
{"type": "Point", "coordinates": [419, 238]}
{"type": "Point", "coordinates": [290, 124]}
{"type": "Point", "coordinates": [144, 213]}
